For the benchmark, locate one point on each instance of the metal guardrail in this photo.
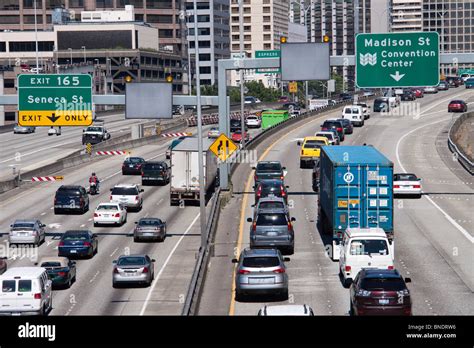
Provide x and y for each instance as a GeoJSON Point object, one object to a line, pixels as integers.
{"type": "Point", "coordinates": [461, 157]}
{"type": "Point", "coordinates": [197, 279]}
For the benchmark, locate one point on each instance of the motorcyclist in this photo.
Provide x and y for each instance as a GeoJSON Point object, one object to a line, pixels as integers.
{"type": "Point", "coordinates": [94, 179]}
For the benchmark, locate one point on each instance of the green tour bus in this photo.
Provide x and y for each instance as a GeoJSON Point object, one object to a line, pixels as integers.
{"type": "Point", "coordinates": [272, 117]}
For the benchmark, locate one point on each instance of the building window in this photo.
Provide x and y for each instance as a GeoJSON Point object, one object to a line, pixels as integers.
{"type": "Point", "coordinates": [76, 3]}
{"type": "Point", "coordinates": [105, 4]}
{"type": "Point", "coordinates": [135, 3]}
{"type": "Point", "coordinates": [205, 57]}
{"type": "Point", "coordinates": [267, 37]}
{"type": "Point", "coordinates": [159, 19]}
{"type": "Point", "coordinates": [3, 47]}
{"type": "Point", "coordinates": [199, 5]}
{"type": "Point", "coordinates": [9, 83]}
{"type": "Point", "coordinates": [161, 4]}
{"type": "Point", "coordinates": [165, 33]}
{"type": "Point", "coordinates": [10, 115]}
{"type": "Point", "coordinates": [52, 4]}
{"type": "Point", "coordinates": [9, 5]}
{"type": "Point", "coordinates": [267, 27]}
{"type": "Point", "coordinates": [30, 46]}
{"type": "Point", "coordinates": [205, 69]}
{"type": "Point", "coordinates": [9, 19]}
{"type": "Point", "coordinates": [266, 19]}
{"type": "Point", "coordinates": [267, 46]}
{"type": "Point", "coordinates": [248, 47]}
{"type": "Point", "coordinates": [31, 19]}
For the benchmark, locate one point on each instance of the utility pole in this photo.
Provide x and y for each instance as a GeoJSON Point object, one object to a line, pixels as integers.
{"type": "Point", "coordinates": [242, 84]}
{"type": "Point", "coordinates": [36, 40]}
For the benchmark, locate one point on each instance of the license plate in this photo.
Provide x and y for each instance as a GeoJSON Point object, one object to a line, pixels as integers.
{"type": "Point", "coordinates": [130, 165]}
{"type": "Point", "coordinates": [16, 314]}
{"type": "Point", "coordinates": [383, 301]}
{"type": "Point", "coordinates": [272, 233]}
{"type": "Point", "coordinates": [268, 280]}
{"type": "Point", "coordinates": [130, 274]}
{"type": "Point", "coordinates": [73, 251]}
{"type": "Point", "coordinates": [406, 186]}
{"type": "Point", "coordinates": [106, 215]}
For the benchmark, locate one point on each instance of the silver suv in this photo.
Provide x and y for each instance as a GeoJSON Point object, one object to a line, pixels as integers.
{"type": "Point", "coordinates": [261, 271]}
{"type": "Point", "coordinates": [272, 228]}
{"type": "Point", "coordinates": [129, 196]}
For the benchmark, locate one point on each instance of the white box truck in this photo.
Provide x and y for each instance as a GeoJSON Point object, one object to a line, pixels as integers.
{"type": "Point", "coordinates": [184, 185]}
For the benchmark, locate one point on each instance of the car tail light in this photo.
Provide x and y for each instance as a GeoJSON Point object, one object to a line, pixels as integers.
{"type": "Point", "coordinates": [254, 226]}
{"type": "Point", "coordinates": [117, 215]}
{"type": "Point", "coordinates": [279, 270]}
{"type": "Point", "coordinates": [123, 165]}
{"type": "Point", "coordinates": [87, 244]}
{"type": "Point", "coordinates": [283, 193]}
{"type": "Point", "coordinates": [407, 311]}
{"type": "Point", "coordinates": [142, 173]}
{"type": "Point", "coordinates": [62, 274]}
{"type": "Point", "coordinates": [259, 191]}
{"type": "Point", "coordinates": [339, 129]}
{"type": "Point", "coordinates": [116, 270]}
{"type": "Point", "coordinates": [290, 226]}
{"type": "Point", "coordinates": [137, 198]}
{"type": "Point", "coordinates": [96, 215]}
{"type": "Point", "coordinates": [347, 268]}
{"type": "Point", "coordinates": [282, 177]}
{"type": "Point", "coordinates": [416, 186]}
{"type": "Point", "coordinates": [145, 270]}
{"type": "Point", "coordinates": [55, 200]}
{"type": "Point", "coordinates": [302, 151]}
{"type": "Point", "coordinates": [396, 186]}
{"type": "Point", "coordinates": [38, 296]}
{"type": "Point", "coordinates": [390, 267]}
{"type": "Point", "coordinates": [243, 271]}
{"type": "Point", "coordinates": [61, 243]}
{"type": "Point", "coordinates": [110, 197]}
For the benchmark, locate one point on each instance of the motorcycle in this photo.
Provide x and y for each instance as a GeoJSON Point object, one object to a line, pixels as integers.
{"type": "Point", "coordinates": [93, 188]}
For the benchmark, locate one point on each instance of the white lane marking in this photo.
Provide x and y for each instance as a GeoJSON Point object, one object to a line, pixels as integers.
{"type": "Point", "coordinates": [82, 225]}
{"type": "Point", "coordinates": [113, 252]}
{"type": "Point", "coordinates": [446, 215]}
{"type": "Point", "coordinates": [70, 309]}
{"type": "Point", "coordinates": [43, 213]}
{"type": "Point", "coordinates": [48, 243]}
{"type": "Point", "coordinates": [95, 276]}
{"type": "Point", "coordinates": [159, 202]}
{"type": "Point", "coordinates": [89, 219]}
{"type": "Point", "coordinates": [148, 296]}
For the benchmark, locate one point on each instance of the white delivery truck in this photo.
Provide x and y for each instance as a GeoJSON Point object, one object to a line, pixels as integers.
{"type": "Point", "coordinates": [184, 184]}
{"type": "Point", "coordinates": [314, 104]}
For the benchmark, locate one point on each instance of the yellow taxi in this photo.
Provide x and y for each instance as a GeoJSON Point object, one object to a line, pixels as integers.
{"type": "Point", "coordinates": [310, 150]}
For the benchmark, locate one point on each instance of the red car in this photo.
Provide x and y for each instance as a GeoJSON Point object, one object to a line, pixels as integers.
{"type": "Point", "coordinates": [457, 106]}
{"type": "Point", "coordinates": [380, 292]}
{"type": "Point", "coordinates": [418, 92]}
{"type": "Point", "coordinates": [284, 99]}
{"type": "Point", "coordinates": [237, 136]}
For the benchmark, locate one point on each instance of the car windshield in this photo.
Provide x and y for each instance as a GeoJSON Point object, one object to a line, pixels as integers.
{"type": "Point", "coordinates": [314, 144]}
{"type": "Point", "coordinates": [131, 260]}
{"type": "Point", "coordinates": [261, 262]}
{"type": "Point", "coordinates": [51, 264]}
{"type": "Point", "coordinates": [268, 167]}
{"type": "Point", "coordinates": [75, 236]}
{"type": "Point", "coordinates": [134, 160]}
{"type": "Point", "coordinates": [383, 284]}
{"type": "Point", "coordinates": [149, 222]}
{"type": "Point", "coordinates": [93, 129]}
{"type": "Point", "coordinates": [124, 191]}
{"type": "Point", "coordinates": [271, 205]}
{"type": "Point", "coordinates": [155, 166]}
{"type": "Point", "coordinates": [369, 247]}
{"type": "Point", "coordinates": [107, 207]}
{"type": "Point", "coordinates": [23, 225]}
{"type": "Point", "coordinates": [271, 220]}
{"type": "Point", "coordinates": [405, 177]}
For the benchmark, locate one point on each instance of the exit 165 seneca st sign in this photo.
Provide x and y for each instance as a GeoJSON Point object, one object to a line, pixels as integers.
{"type": "Point", "coordinates": [397, 59]}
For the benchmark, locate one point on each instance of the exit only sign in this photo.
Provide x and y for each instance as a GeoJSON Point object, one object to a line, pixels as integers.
{"type": "Point", "coordinates": [397, 59]}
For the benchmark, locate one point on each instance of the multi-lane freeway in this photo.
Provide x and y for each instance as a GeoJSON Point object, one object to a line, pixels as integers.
{"type": "Point", "coordinates": [434, 235]}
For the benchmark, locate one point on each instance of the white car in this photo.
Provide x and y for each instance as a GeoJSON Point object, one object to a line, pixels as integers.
{"type": "Point", "coordinates": [286, 310]}
{"type": "Point", "coordinates": [110, 213]}
{"type": "Point", "coordinates": [366, 109]}
{"type": "Point", "coordinates": [364, 248]}
{"type": "Point", "coordinates": [54, 131]}
{"type": "Point", "coordinates": [128, 195]}
{"type": "Point", "coordinates": [431, 89]}
{"type": "Point", "coordinates": [332, 138]}
{"type": "Point", "coordinates": [213, 133]}
{"type": "Point", "coordinates": [354, 113]}
{"type": "Point", "coordinates": [406, 184]}
{"type": "Point", "coordinates": [253, 121]}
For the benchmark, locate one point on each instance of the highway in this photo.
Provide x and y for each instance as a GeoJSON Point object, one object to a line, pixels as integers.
{"type": "Point", "coordinates": [93, 294]}
{"type": "Point", "coordinates": [433, 235]}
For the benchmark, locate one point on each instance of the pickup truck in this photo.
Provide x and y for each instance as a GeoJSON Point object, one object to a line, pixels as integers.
{"type": "Point", "coordinates": [94, 134]}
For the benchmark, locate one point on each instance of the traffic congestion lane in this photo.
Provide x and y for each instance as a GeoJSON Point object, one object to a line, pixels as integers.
{"type": "Point", "coordinates": [450, 289]}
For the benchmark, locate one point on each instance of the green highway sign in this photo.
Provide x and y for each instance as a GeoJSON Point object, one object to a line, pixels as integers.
{"type": "Point", "coordinates": [55, 100]}
{"type": "Point", "coordinates": [397, 59]}
{"type": "Point", "coordinates": [268, 54]}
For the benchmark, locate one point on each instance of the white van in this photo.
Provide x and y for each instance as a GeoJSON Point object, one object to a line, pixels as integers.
{"type": "Point", "coordinates": [355, 114]}
{"type": "Point", "coordinates": [25, 291]}
{"type": "Point", "coordinates": [364, 248]}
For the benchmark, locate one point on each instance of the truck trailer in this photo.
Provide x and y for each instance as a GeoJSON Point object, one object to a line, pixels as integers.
{"type": "Point", "coordinates": [184, 184]}
{"type": "Point", "coordinates": [356, 190]}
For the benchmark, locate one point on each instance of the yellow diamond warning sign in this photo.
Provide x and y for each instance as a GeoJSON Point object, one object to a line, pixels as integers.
{"type": "Point", "coordinates": [223, 147]}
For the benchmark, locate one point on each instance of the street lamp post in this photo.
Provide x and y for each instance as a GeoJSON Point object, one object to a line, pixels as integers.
{"type": "Point", "coordinates": [242, 84]}
{"type": "Point", "coordinates": [84, 48]}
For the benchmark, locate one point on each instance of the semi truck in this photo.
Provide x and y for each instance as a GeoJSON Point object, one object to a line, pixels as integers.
{"type": "Point", "coordinates": [184, 183]}
{"type": "Point", "coordinates": [355, 190]}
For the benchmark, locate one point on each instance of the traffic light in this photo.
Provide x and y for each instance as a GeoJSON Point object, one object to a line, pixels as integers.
{"type": "Point", "coordinates": [325, 38]}
{"type": "Point", "coordinates": [169, 78]}
{"type": "Point", "coordinates": [128, 79]}
{"type": "Point", "coordinates": [283, 39]}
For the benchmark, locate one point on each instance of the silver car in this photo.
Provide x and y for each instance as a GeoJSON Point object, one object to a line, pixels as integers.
{"type": "Point", "coordinates": [23, 129]}
{"type": "Point", "coordinates": [272, 228]}
{"type": "Point", "coordinates": [261, 271]}
{"type": "Point", "coordinates": [27, 232]}
{"type": "Point", "coordinates": [133, 269]}
{"type": "Point", "coordinates": [149, 228]}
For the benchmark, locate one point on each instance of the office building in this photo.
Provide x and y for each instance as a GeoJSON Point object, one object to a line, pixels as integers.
{"type": "Point", "coordinates": [406, 15]}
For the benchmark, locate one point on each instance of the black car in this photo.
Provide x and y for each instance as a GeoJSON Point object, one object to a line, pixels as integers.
{"type": "Point", "coordinates": [132, 165]}
{"type": "Point", "coordinates": [235, 125]}
{"type": "Point", "coordinates": [454, 81]}
{"type": "Point", "coordinates": [346, 96]}
{"type": "Point", "coordinates": [292, 106]}
{"type": "Point", "coordinates": [336, 125]}
{"type": "Point", "coordinates": [71, 198]}
{"type": "Point", "coordinates": [381, 105]}
{"type": "Point", "coordinates": [268, 170]}
{"type": "Point", "coordinates": [78, 243]}
{"type": "Point", "coordinates": [408, 95]}
{"type": "Point", "coordinates": [315, 175]}
{"type": "Point", "coordinates": [347, 125]}
{"type": "Point", "coordinates": [271, 187]}
{"type": "Point", "coordinates": [155, 172]}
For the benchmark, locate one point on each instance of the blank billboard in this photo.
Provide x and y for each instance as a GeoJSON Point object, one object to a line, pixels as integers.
{"type": "Point", "coordinates": [305, 61]}
{"type": "Point", "coordinates": [148, 100]}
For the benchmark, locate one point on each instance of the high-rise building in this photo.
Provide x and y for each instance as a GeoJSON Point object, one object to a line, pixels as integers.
{"type": "Point", "coordinates": [406, 15]}
{"type": "Point", "coordinates": [380, 15]}
{"type": "Point", "coordinates": [265, 22]}
{"type": "Point", "coordinates": [213, 34]}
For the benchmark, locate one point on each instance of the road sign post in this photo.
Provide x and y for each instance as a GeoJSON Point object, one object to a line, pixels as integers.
{"type": "Point", "coordinates": [55, 100]}
{"type": "Point", "coordinates": [397, 59]}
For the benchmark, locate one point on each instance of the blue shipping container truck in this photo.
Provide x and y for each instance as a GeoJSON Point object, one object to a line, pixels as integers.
{"type": "Point", "coordinates": [356, 185]}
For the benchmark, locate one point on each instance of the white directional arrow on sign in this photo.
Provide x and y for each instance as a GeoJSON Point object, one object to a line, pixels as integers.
{"type": "Point", "coordinates": [397, 77]}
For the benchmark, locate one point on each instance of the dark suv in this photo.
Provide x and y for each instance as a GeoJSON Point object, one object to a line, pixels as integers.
{"type": "Point", "coordinates": [381, 105]}
{"type": "Point", "coordinates": [155, 172]}
{"type": "Point", "coordinates": [236, 124]}
{"type": "Point", "coordinates": [268, 170]}
{"type": "Point", "coordinates": [269, 188]}
{"type": "Point", "coordinates": [132, 165]}
{"type": "Point", "coordinates": [380, 292]}
{"type": "Point", "coordinates": [71, 198]}
{"type": "Point", "coordinates": [336, 125]}
{"type": "Point", "coordinates": [347, 125]}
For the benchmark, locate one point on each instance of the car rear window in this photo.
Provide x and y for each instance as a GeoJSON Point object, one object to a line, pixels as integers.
{"type": "Point", "coordinates": [272, 220]}
{"type": "Point", "coordinates": [134, 160]}
{"type": "Point", "coordinates": [21, 225]}
{"type": "Point", "coordinates": [331, 124]}
{"type": "Point", "coordinates": [68, 192]}
{"type": "Point", "coordinates": [271, 205]}
{"type": "Point", "coordinates": [107, 207]}
{"type": "Point", "coordinates": [24, 285]}
{"type": "Point", "coordinates": [8, 286]}
{"type": "Point", "coordinates": [369, 247]}
{"type": "Point", "coordinates": [149, 222]}
{"type": "Point", "coordinates": [268, 167]}
{"type": "Point", "coordinates": [153, 166]}
{"type": "Point", "coordinates": [75, 236]}
{"type": "Point", "coordinates": [263, 261]}
{"type": "Point", "coordinates": [383, 284]}
{"type": "Point", "coordinates": [129, 261]}
{"type": "Point", "coordinates": [405, 177]}
{"type": "Point", "coordinates": [124, 191]}
{"type": "Point", "coordinates": [51, 264]}
{"type": "Point", "coordinates": [94, 129]}
{"type": "Point", "coordinates": [314, 144]}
